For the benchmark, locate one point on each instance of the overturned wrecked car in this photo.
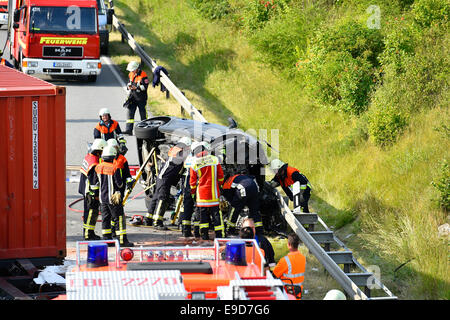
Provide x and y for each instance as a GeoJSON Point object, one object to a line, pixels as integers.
{"type": "Point", "coordinates": [238, 152]}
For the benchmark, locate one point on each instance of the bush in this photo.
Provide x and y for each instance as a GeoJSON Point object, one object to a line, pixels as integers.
{"type": "Point", "coordinates": [427, 12]}
{"type": "Point", "coordinates": [339, 71]}
{"type": "Point", "coordinates": [280, 39]}
{"type": "Point", "coordinates": [339, 81]}
{"type": "Point", "coordinates": [212, 9]}
{"type": "Point", "coordinates": [386, 123]}
{"type": "Point", "coordinates": [258, 12]}
{"type": "Point", "coordinates": [352, 37]}
{"type": "Point", "coordinates": [443, 187]}
{"type": "Point", "coordinates": [399, 43]}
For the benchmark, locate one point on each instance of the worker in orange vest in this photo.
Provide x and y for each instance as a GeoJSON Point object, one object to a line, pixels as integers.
{"type": "Point", "coordinates": [289, 177]}
{"type": "Point", "coordinates": [137, 97]}
{"type": "Point", "coordinates": [206, 177]}
{"type": "Point", "coordinates": [122, 165]}
{"type": "Point", "coordinates": [90, 189]}
{"type": "Point", "coordinates": [111, 195]}
{"type": "Point", "coordinates": [107, 128]}
{"type": "Point", "coordinates": [291, 268]}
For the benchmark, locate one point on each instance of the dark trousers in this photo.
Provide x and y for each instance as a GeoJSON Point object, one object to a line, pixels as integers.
{"type": "Point", "coordinates": [90, 215]}
{"type": "Point", "coordinates": [303, 199]}
{"type": "Point", "coordinates": [113, 212]}
{"type": "Point", "coordinates": [188, 208]}
{"type": "Point", "coordinates": [131, 110]}
{"type": "Point", "coordinates": [211, 214]}
{"type": "Point", "coordinates": [251, 201]}
{"type": "Point", "coordinates": [158, 203]}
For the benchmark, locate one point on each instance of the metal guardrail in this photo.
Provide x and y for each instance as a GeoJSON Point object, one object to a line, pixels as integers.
{"type": "Point", "coordinates": [325, 258]}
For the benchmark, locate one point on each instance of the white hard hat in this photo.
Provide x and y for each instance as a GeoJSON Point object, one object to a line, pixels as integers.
{"type": "Point", "coordinates": [103, 111]}
{"type": "Point", "coordinates": [132, 66]}
{"type": "Point", "coordinates": [113, 142]}
{"type": "Point", "coordinates": [186, 140]}
{"type": "Point", "coordinates": [276, 164]}
{"type": "Point", "coordinates": [109, 151]}
{"type": "Point", "coordinates": [98, 144]}
{"type": "Point", "coordinates": [335, 295]}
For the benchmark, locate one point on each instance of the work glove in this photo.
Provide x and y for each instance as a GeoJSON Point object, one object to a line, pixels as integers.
{"type": "Point", "coordinates": [116, 198]}
{"type": "Point", "coordinates": [130, 182]}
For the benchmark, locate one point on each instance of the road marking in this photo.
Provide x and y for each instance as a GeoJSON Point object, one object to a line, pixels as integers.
{"type": "Point", "coordinates": [114, 71]}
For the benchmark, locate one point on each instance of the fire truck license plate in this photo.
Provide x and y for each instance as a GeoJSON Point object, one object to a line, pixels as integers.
{"type": "Point", "coordinates": [62, 64]}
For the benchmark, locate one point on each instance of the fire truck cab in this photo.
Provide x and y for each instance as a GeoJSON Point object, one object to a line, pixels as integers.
{"type": "Point", "coordinates": [55, 37]}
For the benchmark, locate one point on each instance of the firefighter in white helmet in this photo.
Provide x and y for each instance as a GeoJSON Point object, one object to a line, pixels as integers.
{"type": "Point", "coordinates": [89, 188]}
{"type": "Point", "coordinates": [111, 195]}
{"type": "Point", "coordinates": [295, 184]}
{"type": "Point", "coordinates": [107, 128]}
{"type": "Point", "coordinates": [137, 95]}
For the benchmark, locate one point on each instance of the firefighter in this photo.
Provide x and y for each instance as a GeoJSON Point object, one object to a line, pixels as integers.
{"type": "Point", "coordinates": [206, 177]}
{"type": "Point", "coordinates": [90, 189]}
{"type": "Point", "coordinates": [168, 176]}
{"type": "Point", "coordinates": [137, 96]}
{"type": "Point", "coordinates": [107, 128]}
{"type": "Point", "coordinates": [111, 195]}
{"type": "Point", "coordinates": [188, 200]}
{"type": "Point", "coordinates": [242, 190]}
{"type": "Point", "coordinates": [291, 268]}
{"type": "Point", "coordinates": [287, 176]}
{"type": "Point", "coordinates": [122, 164]}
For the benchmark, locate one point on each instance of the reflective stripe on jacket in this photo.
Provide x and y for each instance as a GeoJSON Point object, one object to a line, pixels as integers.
{"type": "Point", "coordinates": [206, 175]}
{"type": "Point", "coordinates": [291, 266]}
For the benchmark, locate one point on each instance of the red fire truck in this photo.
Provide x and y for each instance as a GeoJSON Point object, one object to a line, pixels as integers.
{"type": "Point", "coordinates": [3, 13]}
{"type": "Point", "coordinates": [55, 37]}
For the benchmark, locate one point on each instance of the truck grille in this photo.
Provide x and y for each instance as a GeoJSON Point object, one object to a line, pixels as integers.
{"type": "Point", "coordinates": [62, 51]}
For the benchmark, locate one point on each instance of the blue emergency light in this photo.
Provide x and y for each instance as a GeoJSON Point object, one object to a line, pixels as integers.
{"type": "Point", "coordinates": [235, 253]}
{"type": "Point", "coordinates": [97, 255]}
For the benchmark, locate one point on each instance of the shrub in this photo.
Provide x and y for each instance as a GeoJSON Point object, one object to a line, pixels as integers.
{"type": "Point", "coordinates": [443, 186]}
{"type": "Point", "coordinates": [427, 12]}
{"type": "Point", "coordinates": [339, 71]}
{"type": "Point", "coordinates": [386, 123]}
{"type": "Point", "coordinates": [339, 81]}
{"type": "Point", "coordinates": [278, 41]}
{"type": "Point", "coordinates": [352, 37]}
{"type": "Point", "coordinates": [212, 9]}
{"type": "Point", "coordinates": [258, 12]}
{"type": "Point", "coordinates": [399, 43]}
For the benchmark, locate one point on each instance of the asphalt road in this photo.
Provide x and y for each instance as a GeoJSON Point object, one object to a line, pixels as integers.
{"type": "Point", "coordinates": [83, 101]}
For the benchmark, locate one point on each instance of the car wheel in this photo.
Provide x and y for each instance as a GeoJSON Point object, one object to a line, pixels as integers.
{"type": "Point", "coordinates": [148, 129]}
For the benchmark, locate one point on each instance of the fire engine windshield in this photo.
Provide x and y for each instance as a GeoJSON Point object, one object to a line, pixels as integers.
{"type": "Point", "coordinates": [63, 20]}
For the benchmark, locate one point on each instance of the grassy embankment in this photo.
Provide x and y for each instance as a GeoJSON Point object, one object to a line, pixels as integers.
{"type": "Point", "coordinates": [381, 194]}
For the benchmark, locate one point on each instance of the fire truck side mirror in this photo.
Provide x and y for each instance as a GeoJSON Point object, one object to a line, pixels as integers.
{"type": "Point", "coordinates": [109, 16]}
{"type": "Point", "coordinates": [16, 16]}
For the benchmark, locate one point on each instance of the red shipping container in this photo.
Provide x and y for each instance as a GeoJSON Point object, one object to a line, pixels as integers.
{"type": "Point", "coordinates": [32, 167]}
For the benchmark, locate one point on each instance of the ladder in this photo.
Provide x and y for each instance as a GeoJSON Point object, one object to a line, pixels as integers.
{"type": "Point", "coordinates": [319, 243]}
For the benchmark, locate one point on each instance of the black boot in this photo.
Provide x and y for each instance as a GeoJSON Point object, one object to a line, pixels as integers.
{"type": "Point", "coordinates": [125, 243]}
{"type": "Point", "coordinates": [187, 233]}
{"type": "Point", "coordinates": [205, 234]}
{"type": "Point", "coordinates": [91, 236]}
{"type": "Point", "coordinates": [196, 232]}
{"type": "Point", "coordinates": [148, 222]}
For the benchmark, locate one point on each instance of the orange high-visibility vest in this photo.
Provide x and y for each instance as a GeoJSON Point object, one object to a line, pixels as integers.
{"type": "Point", "coordinates": [291, 266]}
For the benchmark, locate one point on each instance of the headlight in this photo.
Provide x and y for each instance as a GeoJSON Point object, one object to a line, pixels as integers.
{"type": "Point", "coordinates": [92, 65]}
{"type": "Point", "coordinates": [32, 64]}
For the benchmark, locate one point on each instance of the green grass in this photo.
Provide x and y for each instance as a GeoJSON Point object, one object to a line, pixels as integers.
{"type": "Point", "coordinates": [385, 195]}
